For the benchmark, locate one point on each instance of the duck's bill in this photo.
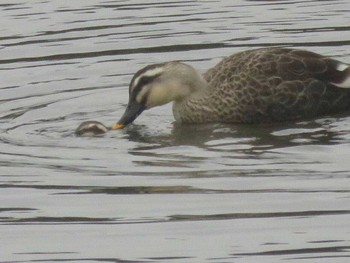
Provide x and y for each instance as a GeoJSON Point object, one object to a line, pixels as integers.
{"type": "Point", "coordinates": [133, 110]}
{"type": "Point", "coordinates": [118, 126]}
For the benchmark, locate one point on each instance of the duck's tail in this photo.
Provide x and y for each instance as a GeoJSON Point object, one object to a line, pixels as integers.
{"type": "Point", "coordinates": [339, 74]}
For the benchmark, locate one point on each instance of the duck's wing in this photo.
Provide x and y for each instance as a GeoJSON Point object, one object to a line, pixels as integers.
{"type": "Point", "coordinates": [311, 85]}
{"type": "Point", "coordinates": [300, 64]}
{"type": "Point", "coordinates": [276, 84]}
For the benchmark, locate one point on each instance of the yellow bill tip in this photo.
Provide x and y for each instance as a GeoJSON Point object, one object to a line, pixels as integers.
{"type": "Point", "coordinates": [117, 126]}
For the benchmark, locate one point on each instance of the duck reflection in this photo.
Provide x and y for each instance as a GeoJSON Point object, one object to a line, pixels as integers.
{"type": "Point", "coordinates": [255, 136]}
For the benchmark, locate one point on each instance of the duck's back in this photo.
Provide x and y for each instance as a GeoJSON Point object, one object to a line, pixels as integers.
{"type": "Point", "coordinates": [273, 84]}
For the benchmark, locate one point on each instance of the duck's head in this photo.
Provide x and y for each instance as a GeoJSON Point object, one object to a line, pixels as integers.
{"type": "Point", "coordinates": [157, 85]}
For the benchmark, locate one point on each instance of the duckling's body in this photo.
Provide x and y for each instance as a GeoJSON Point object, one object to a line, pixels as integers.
{"type": "Point", "coordinates": [261, 85]}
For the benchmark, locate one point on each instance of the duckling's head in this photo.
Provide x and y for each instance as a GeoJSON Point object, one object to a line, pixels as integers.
{"type": "Point", "coordinates": [91, 128]}
{"type": "Point", "coordinates": [157, 85]}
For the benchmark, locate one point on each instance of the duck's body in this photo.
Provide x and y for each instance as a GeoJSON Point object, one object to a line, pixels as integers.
{"type": "Point", "coordinates": [266, 85]}
{"type": "Point", "coordinates": [261, 85]}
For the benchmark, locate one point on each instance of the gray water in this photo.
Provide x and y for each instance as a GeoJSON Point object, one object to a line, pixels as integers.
{"type": "Point", "coordinates": [157, 191]}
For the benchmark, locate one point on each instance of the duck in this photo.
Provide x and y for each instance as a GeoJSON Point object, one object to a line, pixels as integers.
{"type": "Point", "coordinates": [263, 85]}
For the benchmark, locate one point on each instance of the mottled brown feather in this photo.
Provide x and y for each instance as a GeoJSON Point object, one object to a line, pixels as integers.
{"type": "Point", "coordinates": [268, 85]}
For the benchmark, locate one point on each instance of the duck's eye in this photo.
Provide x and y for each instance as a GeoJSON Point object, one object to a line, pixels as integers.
{"type": "Point", "coordinates": [142, 82]}
{"type": "Point", "coordinates": [138, 83]}
{"type": "Point", "coordinates": [145, 80]}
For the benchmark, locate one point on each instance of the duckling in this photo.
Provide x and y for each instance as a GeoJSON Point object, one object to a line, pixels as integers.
{"type": "Point", "coordinates": [91, 128]}
{"type": "Point", "coordinates": [256, 86]}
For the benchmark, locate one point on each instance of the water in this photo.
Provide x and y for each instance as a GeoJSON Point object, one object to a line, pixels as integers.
{"type": "Point", "coordinates": [157, 191]}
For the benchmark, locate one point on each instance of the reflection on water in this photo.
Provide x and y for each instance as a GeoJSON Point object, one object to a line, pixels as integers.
{"type": "Point", "coordinates": [158, 191]}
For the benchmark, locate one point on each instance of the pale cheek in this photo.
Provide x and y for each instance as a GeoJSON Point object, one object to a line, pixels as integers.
{"type": "Point", "coordinates": [158, 96]}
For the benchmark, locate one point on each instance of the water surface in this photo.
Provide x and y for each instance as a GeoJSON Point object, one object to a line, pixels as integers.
{"type": "Point", "coordinates": [157, 191]}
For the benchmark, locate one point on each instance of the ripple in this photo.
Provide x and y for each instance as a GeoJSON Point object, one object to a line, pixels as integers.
{"type": "Point", "coordinates": [282, 189]}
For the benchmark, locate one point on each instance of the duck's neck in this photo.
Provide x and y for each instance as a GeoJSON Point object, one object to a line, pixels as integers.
{"type": "Point", "coordinates": [193, 108]}
{"type": "Point", "coordinates": [191, 87]}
